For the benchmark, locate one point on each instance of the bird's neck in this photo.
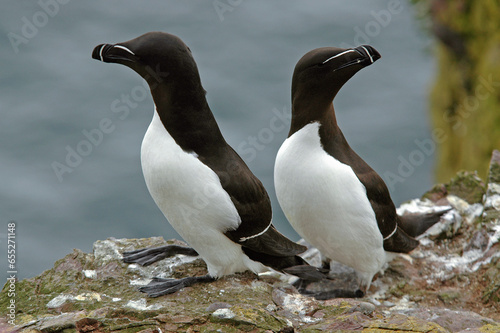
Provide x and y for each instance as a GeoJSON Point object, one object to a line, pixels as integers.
{"type": "Point", "coordinates": [184, 111]}
{"type": "Point", "coordinates": [332, 138]}
{"type": "Point", "coordinates": [308, 110]}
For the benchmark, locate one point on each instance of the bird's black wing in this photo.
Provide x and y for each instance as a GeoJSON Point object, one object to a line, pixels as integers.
{"type": "Point", "coordinates": [395, 239]}
{"type": "Point", "coordinates": [252, 202]}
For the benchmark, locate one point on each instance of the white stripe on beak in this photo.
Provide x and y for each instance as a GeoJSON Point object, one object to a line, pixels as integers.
{"type": "Point", "coordinates": [100, 52]}
{"type": "Point", "coordinates": [371, 59]}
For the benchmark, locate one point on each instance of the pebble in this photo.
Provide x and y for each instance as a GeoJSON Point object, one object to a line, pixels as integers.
{"type": "Point", "coordinates": [224, 314]}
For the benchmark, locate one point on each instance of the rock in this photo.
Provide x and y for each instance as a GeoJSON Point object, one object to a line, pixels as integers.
{"type": "Point", "coordinates": [492, 196]}
{"type": "Point", "coordinates": [312, 255]}
{"type": "Point", "coordinates": [404, 323]}
{"type": "Point", "coordinates": [217, 306]}
{"type": "Point", "coordinates": [349, 322]}
{"type": "Point", "coordinates": [479, 241]}
{"type": "Point", "coordinates": [223, 314]}
{"type": "Point", "coordinates": [437, 194]}
{"type": "Point", "coordinates": [491, 231]}
{"type": "Point", "coordinates": [452, 320]}
{"type": "Point", "coordinates": [295, 305]}
{"type": "Point", "coordinates": [450, 222]}
{"type": "Point", "coordinates": [59, 323]}
{"type": "Point", "coordinates": [352, 305]}
{"type": "Point", "coordinates": [491, 293]}
{"type": "Point", "coordinates": [450, 283]}
{"type": "Point", "coordinates": [342, 278]}
{"type": "Point", "coordinates": [88, 325]}
{"type": "Point", "coordinates": [249, 317]}
{"type": "Point", "coordinates": [101, 303]}
{"type": "Point", "coordinates": [468, 186]}
{"type": "Point", "coordinates": [364, 307]}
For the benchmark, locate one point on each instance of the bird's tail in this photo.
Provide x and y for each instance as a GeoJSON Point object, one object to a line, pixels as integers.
{"type": "Point", "coordinates": [292, 264]}
{"type": "Point", "coordinates": [416, 224]}
{"type": "Point", "coordinates": [274, 250]}
{"type": "Point", "coordinates": [307, 272]}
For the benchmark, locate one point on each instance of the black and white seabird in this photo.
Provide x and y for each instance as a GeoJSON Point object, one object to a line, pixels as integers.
{"type": "Point", "coordinates": [202, 186]}
{"type": "Point", "coordinates": [332, 198]}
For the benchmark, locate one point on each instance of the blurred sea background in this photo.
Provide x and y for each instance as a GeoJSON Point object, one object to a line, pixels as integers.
{"type": "Point", "coordinates": [53, 95]}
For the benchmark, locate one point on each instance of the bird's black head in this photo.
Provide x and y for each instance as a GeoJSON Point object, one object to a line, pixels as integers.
{"type": "Point", "coordinates": [156, 56]}
{"type": "Point", "coordinates": [323, 71]}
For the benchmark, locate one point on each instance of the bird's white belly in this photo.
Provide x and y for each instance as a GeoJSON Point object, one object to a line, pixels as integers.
{"type": "Point", "coordinates": [191, 197]}
{"type": "Point", "coordinates": [327, 204]}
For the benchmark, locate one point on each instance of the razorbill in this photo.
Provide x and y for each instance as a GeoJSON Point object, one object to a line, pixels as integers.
{"type": "Point", "coordinates": [202, 186]}
{"type": "Point", "coordinates": [332, 198]}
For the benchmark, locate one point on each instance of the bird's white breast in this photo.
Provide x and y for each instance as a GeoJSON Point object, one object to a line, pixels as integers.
{"type": "Point", "coordinates": [191, 197]}
{"type": "Point", "coordinates": [327, 204]}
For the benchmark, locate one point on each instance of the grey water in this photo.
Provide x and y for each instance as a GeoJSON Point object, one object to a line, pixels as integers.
{"type": "Point", "coordinates": [57, 102]}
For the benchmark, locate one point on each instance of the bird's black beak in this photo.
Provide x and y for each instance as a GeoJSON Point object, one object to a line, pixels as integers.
{"type": "Point", "coordinates": [367, 55]}
{"type": "Point", "coordinates": [114, 53]}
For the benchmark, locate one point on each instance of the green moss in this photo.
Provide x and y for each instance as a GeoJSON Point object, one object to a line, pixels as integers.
{"type": "Point", "coordinates": [494, 173]}
{"type": "Point", "coordinates": [127, 315]}
{"type": "Point", "coordinates": [490, 328]}
{"type": "Point", "coordinates": [333, 311]}
{"type": "Point", "coordinates": [69, 330]}
{"type": "Point", "coordinates": [491, 293]}
{"type": "Point", "coordinates": [398, 289]}
{"type": "Point", "coordinates": [186, 310]}
{"type": "Point", "coordinates": [437, 192]}
{"type": "Point", "coordinates": [468, 186]}
{"type": "Point", "coordinates": [66, 277]}
{"type": "Point", "coordinates": [132, 327]}
{"type": "Point", "coordinates": [490, 215]}
{"type": "Point", "coordinates": [218, 327]}
{"type": "Point", "coordinates": [250, 317]}
{"type": "Point", "coordinates": [449, 297]}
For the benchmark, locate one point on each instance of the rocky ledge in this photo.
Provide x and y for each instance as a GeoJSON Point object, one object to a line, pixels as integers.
{"type": "Point", "coordinates": [451, 283]}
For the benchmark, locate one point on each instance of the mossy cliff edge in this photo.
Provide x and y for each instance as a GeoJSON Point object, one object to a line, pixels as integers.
{"type": "Point", "coordinates": [465, 97]}
{"type": "Point", "coordinates": [450, 283]}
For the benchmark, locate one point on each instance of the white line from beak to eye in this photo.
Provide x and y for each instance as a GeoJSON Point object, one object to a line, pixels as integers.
{"type": "Point", "coordinates": [371, 59]}
{"type": "Point", "coordinates": [100, 52]}
{"type": "Point", "coordinates": [337, 55]}
{"type": "Point", "coordinates": [124, 48]}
